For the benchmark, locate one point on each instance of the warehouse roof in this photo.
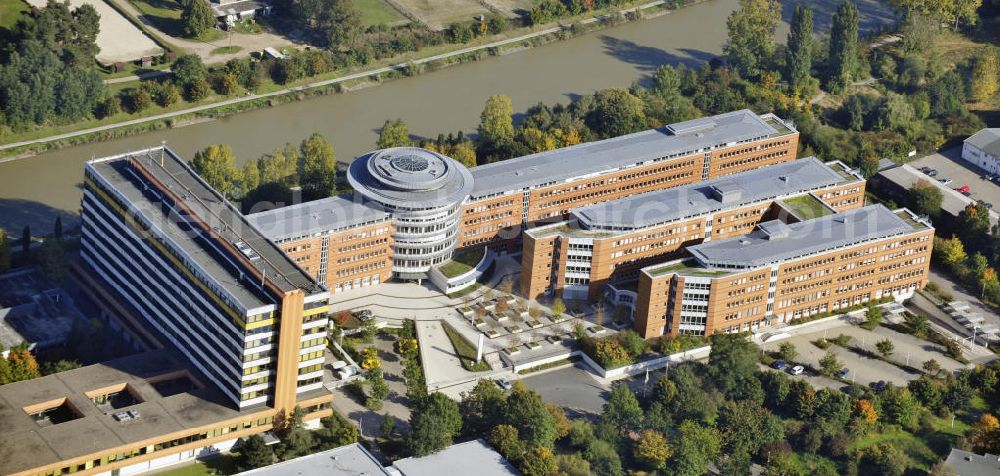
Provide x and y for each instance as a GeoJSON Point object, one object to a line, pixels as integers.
{"type": "Point", "coordinates": [318, 216]}
{"type": "Point", "coordinates": [675, 140]}
{"type": "Point", "coordinates": [347, 460]}
{"type": "Point", "coordinates": [987, 140]}
{"type": "Point", "coordinates": [733, 191]}
{"type": "Point", "coordinates": [777, 242]}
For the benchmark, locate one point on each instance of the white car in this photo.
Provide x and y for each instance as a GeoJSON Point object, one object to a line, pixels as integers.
{"type": "Point", "coordinates": [797, 370]}
{"type": "Point", "coordinates": [945, 181]}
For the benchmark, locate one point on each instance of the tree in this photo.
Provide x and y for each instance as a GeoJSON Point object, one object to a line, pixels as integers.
{"type": "Point", "coordinates": [882, 460]}
{"type": "Point", "coordinates": [947, 94]}
{"type": "Point", "coordinates": [226, 84]}
{"type": "Point", "coordinates": [317, 169]}
{"type": "Point", "coordinates": [169, 94]}
{"type": "Point", "coordinates": [504, 438]}
{"type": "Point", "coordinates": [751, 36]}
{"type": "Point", "coordinates": [865, 417]}
{"type": "Point", "coordinates": [652, 450]}
{"type": "Point", "coordinates": [138, 99]}
{"type": "Point", "coordinates": [617, 112]}
{"type": "Point", "coordinates": [696, 448]}
{"type": "Point", "coordinates": [526, 411]}
{"type": "Point", "coordinates": [885, 347]}
{"type": "Point", "coordinates": [798, 56]}
{"type": "Point", "coordinates": [951, 251]}
{"type": "Point", "coordinates": [558, 307]}
{"type": "Point", "coordinates": [5, 252]}
{"type": "Point", "coordinates": [926, 198]}
{"type": "Point", "coordinates": [603, 458]}
{"type": "Point", "coordinates": [339, 22]}
{"type": "Point", "coordinates": [215, 164]}
{"type": "Point", "coordinates": [496, 124]}
{"type": "Point", "coordinates": [873, 317]}
{"type": "Point", "coordinates": [52, 260]}
{"type": "Point", "coordinates": [464, 153]}
{"type": "Point", "coordinates": [787, 351]}
{"type": "Point", "coordinates": [744, 427]}
{"type": "Point", "coordinates": [560, 422]}
{"type": "Point", "coordinates": [950, 12]}
{"type": "Point", "coordinates": [187, 68]}
{"type": "Point", "coordinates": [622, 409]}
{"type": "Point", "coordinates": [254, 453]}
{"type": "Point", "coordinates": [198, 89]}
{"type": "Point", "coordinates": [732, 360]}
{"type": "Point", "coordinates": [985, 434]}
{"type": "Point", "coordinates": [378, 390]}
{"type": "Point", "coordinates": [394, 133]}
{"type": "Point", "coordinates": [843, 63]}
{"type": "Point", "coordinates": [482, 407]}
{"type": "Point", "coordinates": [829, 364]}
{"type": "Point", "coordinates": [197, 17]}
{"type": "Point", "coordinates": [538, 461]}
{"type": "Point", "coordinates": [433, 424]}
{"type": "Point", "coordinates": [572, 465]}
{"type": "Point", "coordinates": [986, 74]}
{"type": "Point", "coordinates": [932, 367]}
{"type": "Point", "coordinates": [388, 425]}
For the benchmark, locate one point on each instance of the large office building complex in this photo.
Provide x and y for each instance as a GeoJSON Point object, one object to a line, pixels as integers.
{"type": "Point", "coordinates": [609, 242]}
{"type": "Point", "coordinates": [412, 208]}
{"type": "Point", "coordinates": [781, 272]}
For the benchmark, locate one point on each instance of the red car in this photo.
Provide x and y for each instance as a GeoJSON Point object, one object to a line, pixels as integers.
{"type": "Point", "coordinates": [963, 189]}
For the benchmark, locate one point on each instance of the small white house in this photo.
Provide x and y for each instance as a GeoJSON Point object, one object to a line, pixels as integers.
{"type": "Point", "coordinates": [983, 150]}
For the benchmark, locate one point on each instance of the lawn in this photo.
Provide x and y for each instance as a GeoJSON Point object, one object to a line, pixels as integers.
{"type": "Point", "coordinates": [465, 350]}
{"type": "Point", "coordinates": [462, 263]}
{"type": "Point", "coordinates": [377, 12]}
{"type": "Point", "coordinates": [223, 464]}
{"type": "Point", "coordinates": [225, 50]}
{"type": "Point", "coordinates": [10, 12]}
{"type": "Point", "coordinates": [166, 16]}
{"type": "Point", "coordinates": [921, 455]}
{"type": "Point", "coordinates": [807, 207]}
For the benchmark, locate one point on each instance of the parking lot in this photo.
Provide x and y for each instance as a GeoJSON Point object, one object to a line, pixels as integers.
{"type": "Point", "coordinates": [949, 164]}
{"type": "Point", "coordinates": [864, 370]}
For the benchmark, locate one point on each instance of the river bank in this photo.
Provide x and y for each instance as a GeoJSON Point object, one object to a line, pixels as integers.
{"type": "Point", "coordinates": [28, 147]}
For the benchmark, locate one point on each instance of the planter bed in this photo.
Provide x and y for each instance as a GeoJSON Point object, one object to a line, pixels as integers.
{"type": "Point", "coordinates": [533, 345]}
{"type": "Point", "coordinates": [534, 324]}
{"type": "Point", "coordinates": [491, 333]}
{"type": "Point", "coordinates": [513, 329]}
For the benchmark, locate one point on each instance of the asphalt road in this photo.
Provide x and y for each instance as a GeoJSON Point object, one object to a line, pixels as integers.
{"type": "Point", "coordinates": [571, 387]}
{"type": "Point", "coordinates": [949, 164]}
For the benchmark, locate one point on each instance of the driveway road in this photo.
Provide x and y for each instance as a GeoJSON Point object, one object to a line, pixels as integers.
{"type": "Point", "coordinates": [572, 387]}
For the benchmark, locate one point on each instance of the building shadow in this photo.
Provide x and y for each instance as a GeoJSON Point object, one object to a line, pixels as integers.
{"type": "Point", "coordinates": [16, 213]}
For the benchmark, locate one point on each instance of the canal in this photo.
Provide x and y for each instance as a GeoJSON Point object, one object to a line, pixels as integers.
{"type": "Point", "coordinates": [36, 189]}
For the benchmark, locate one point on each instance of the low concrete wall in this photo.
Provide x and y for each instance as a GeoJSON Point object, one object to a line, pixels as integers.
{"type": "Point", "coordinates": [617, 373]}
{"type": "Point", "coordinates": [450, 285]}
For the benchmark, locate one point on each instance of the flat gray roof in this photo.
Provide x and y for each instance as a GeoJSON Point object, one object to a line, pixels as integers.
{"type": "Point", "coordinates": [348, 460]}
{"type": "Point", "coordinates": [987, 140]}
{"type": "Point", "coordinates": [318, 216]}
{"type": "Point", "coordinates": [965, 463]}
{"type": "Point", "coordinates": [776, 241]}
{"type": "Point", "coordinates": [214, 210]}
{"type": "Point", "coordinates": [732, 191]}
{"type": "Point", "coordinates": [24, 444]}
{"type": "Point", "coordinates": [472, 457]}
{"type": "Point", "coordinates": [580, 160]}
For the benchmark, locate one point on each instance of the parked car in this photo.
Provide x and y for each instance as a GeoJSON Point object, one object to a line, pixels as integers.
{"type": "Point", "coordinates": [504, 383]}
{"type": "Point", "coordinates": [925, 169]}
{"type": "Point", "coordinates": [879, 386]}
{"type": "Point", "coordinates": [779, 364]}
{"type": "Point", "coordinates": [985, 203]}
{"type": "Point", "coordinates": [963, 189]}
{"type": "Point", "coordinates": [932, 173]}
{"type": "Point", "coordinates": [945, 180]}
{"type": "Point", "coordinates": [967, 193]}
{"type": "Point", "coordinates": [797, 370]}
{"type": "Point", "coordinates": [843, 373]}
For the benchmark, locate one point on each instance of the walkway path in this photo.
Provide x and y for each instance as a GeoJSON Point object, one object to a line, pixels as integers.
{"type": "Point", "coordinates": [313, 85]}
{"type": "Point", "coordinates": [137, 77]}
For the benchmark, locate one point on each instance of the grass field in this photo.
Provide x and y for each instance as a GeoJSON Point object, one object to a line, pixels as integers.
{"type": "Point", "coordinates": [225, 50]}
{"type": "Point", "coordinates": [438, 14]}
{"type": "Point", "coordinates": [166, 16]}
{"type": "Point", "coordinates": [224, 464]}
{"type": "Point", "coordinates": [378, 12]}
{"type": "Point", "coordinates": [465, 350]}
{"type": "Point", "coordinates": [10, 12]}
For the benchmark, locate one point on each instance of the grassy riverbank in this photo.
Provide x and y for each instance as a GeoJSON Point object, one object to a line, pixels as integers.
{"type": "Point", "coordinates": [215, 106]}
